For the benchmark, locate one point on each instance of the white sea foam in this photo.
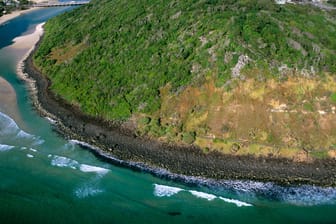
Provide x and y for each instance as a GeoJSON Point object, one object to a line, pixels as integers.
{"type": "Point", "coordinates": [10, 131]}
{"type": "Point", "coordinates": [30, 156]}
{"type": "Point", "coordinates": [33, 150]}
{"type": "Point", "coordinates": [203, 195]}
{"type": "Point", "coordinates": [4, 148]}
{"type": "Point", "coordinates": [73, 141]}
{"type": "Point", "coordinates": [87, 191]}
{"type": "Point", "coordinates": [236, 202]}
{"type": "Point", "coordinates": [52, 121]}
{"type": "Point", "coordinates": [95, 169]}
{"type": "Point", "coordinates": [165, 191]}
{"type": "Point", "coordinates": [61, 161]}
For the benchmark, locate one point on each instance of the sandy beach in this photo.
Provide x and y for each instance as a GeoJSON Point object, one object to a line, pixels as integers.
{"type": "Point", "coordinates": [27, 41]}
{"type": "Point", "coordinates": [12, 15]}
{"type": "Point", "coordinates": [25, 45]}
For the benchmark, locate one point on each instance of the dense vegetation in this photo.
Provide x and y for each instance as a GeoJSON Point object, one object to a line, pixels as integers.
{"type": "Point", "coordinates": [117, 59]}
{"type": "Point", "coordinates": [332, 2]}
{"type": "Point", "coordinates": [112, 57]}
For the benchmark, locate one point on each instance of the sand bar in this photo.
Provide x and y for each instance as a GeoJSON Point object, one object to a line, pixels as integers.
{"type": "Point", "coordinates": [8, 99]}
{"type": "Point", "coordinates": [12, 15]}
{"type": "Point", "coordinates": [28, 41]}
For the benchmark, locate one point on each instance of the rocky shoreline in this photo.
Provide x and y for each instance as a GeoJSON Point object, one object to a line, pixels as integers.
{"type": "Point", "coordinates": [113, 141]}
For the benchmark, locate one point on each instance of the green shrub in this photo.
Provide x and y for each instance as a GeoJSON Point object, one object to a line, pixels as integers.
{"type": "Point", "coordinates": [333, 97]}
{"type": "Point", "coordinates": [189, 137]}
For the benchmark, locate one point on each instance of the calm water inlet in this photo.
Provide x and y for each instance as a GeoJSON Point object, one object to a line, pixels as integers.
{"type": "Point", "coordinates": [45, 178]}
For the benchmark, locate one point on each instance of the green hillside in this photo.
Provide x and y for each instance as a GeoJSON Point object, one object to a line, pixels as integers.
{"type": "Point", "coordinates": [243, 77]}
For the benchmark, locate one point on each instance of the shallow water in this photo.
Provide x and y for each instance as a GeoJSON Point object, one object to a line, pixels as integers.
{"type": "Point", "coordinates": [46, 178]}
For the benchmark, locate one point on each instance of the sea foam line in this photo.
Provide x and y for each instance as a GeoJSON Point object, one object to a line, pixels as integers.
{"type": "Point", "coordinates": [203, 195]}
{"type": "Point", "coordinates": [236, 202]}
{"type": "Point", "coordinates": [84, 144]}
{"type": "Point", "coordinates": [305, 195]}
{"type": "Point", "coordinates": [168, 191]}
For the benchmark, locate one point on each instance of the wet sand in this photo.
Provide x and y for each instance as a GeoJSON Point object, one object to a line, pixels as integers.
{"type": "Point", "coordinates": [28, 41]}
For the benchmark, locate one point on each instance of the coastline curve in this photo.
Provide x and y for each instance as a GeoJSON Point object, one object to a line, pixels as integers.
{"type": "Point", "coordinates": [112, 140]}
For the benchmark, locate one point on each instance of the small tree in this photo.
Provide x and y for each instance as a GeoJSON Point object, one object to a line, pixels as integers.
{"type": "Point", "coordinates": [23, 4]}
{"type": "Point", "coordinates": [189, 137]}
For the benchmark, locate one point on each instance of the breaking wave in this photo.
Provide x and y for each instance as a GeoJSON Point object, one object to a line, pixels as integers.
{"type": "Point", "coordinates": [62, 161]}
{"type": "Point", "coordinates": [236, 202]}
{"type": "Point", "coordinates": [94, 169]}
{"type": "Point", "coordinates": [10, 133]}
{"type": "Point", "coordinates": [165, 191]}
{"type": "Point", "coordinates": [168, 191]}
{"type": "Point", "coordinates": [203, 195]}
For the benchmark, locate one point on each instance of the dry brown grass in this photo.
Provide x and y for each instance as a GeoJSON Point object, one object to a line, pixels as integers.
{"type": "Point", "coordinates": [66, 53]}
{"type": "Point", "coordinates": [258, 118]}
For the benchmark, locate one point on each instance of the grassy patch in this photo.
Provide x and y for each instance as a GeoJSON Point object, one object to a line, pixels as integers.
{"type": "Point", "coordinates": [308, 107]}
{"type": "Point", "coordinates": [333, 97]}
{"type": "Point", "coordinates": [319, 154]}
{"type": "Point", "coordinates": [189, 137]}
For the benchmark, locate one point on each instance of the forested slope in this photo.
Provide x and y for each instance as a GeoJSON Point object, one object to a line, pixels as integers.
{"type": "Point", "coordinates": [249, 77]}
